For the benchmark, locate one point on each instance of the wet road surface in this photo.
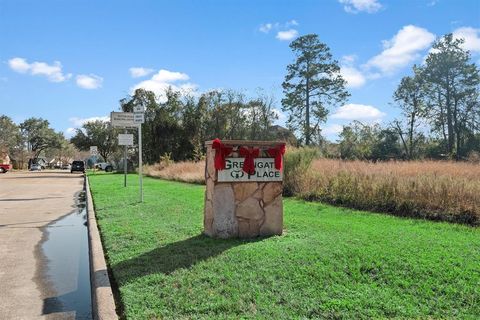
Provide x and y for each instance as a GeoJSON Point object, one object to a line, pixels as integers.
{"type": "Point", "coordinates": [44, 266]}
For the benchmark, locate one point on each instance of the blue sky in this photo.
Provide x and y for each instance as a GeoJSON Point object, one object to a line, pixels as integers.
{"type": "Point", "coordinates": [69, 61]}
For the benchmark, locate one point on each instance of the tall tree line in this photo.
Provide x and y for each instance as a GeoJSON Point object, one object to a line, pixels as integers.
{"type": "Point", "coordinates": [26, 142]}
{"type": "Point", "coordinates": [180, 124]}
{"type": "Point", "coordinates": [441, 96]}
{"type": "Point", "coordinates": [439, 103]}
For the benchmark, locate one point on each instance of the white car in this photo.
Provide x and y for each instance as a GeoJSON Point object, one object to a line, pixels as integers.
{"type": "Point", "coordinates": [35, 167]}
{"type": "Point", "coordinates": [104, 166]}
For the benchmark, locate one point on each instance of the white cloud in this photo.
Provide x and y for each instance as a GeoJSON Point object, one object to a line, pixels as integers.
{"type": "Point", "coordinates": [169, 76]}
{"type": "Point", "coordinates": [350, 73]}
{"type": "Point", "coordinates": [53, 72]}
{"type": "Point", "coordinates": [287, 35]}
{"type": "Point", "coordinates": [292, 22]}
{"type": "Point", "coordinates": [353, 76]}
{"type": "Point", "coordinates": [19, 65]}
{"type": "Point", "coordinates": [354, 111]}
{"type": "Point", "coordinates": [266, 27]}
{"type": "Point", "coordinates": [137, 72]}
{"type": "Point", "coordinates": [402, 49]}
{"type": "Point", "coordinates": [332, 129]}
{"type": "Point", "coordinates": [284, 30]}
{"type": "Point", "coordinates": [164, 79]}
{"type": "Point", "coordinates": [355, 6]}
{"type": "Point", "coordinates": [79, 122]}
{"type": "Point", "coordinates": [471, 37]}
{"type": "Point", "coordinates": [90, 81]}
{"type": "Point", "coordinates": [70, 132]}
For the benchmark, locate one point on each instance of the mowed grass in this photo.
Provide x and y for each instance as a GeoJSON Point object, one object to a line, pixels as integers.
{"type": "Point", "coordinates": [330, 263]}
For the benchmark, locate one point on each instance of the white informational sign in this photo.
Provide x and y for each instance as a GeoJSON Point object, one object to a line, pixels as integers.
{"type": "Point", "coordinates": [122, 119]}
{"type": "Point", "coordinates": [138, 109]}
{"type": "Point", "coordinates": [125, 139]}
{"type": "Point", "coordinates": [138, 118]}
{"type": "Point", "coordinates": [264, 171]}
{"type": "Point", "coordinates": [93, 150]}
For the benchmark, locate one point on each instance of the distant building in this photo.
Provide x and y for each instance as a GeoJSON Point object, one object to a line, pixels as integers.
{"type": "Point", "coordinates": [283, 134]}
{"type": "Point", "coordinates": [4, 158]}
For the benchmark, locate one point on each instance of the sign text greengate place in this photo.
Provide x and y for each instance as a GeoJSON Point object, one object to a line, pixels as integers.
{"type": "Point", "coordinates": [264, 171]}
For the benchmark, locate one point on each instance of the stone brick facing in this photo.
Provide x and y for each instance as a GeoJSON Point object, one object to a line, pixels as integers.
{"type": "Point", "coordinates": [242, 209]}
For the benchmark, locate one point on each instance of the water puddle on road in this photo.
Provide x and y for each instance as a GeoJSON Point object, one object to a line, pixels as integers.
{"type": "Point", "coordinates": [67, 265]}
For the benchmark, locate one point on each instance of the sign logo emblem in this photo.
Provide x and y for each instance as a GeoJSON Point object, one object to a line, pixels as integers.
{"type": "Point", "coordinates": [237, 174]}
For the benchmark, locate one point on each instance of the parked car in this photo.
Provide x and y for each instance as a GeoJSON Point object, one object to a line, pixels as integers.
{"type": "Point", "coordinates": [104, 166]}
{"type": "Point", "coordinates": [5, 167]}
{"type": "Point", "coordinates": [35, 167]}
{"type": "Point", "coordinates": [66, 167]}
{"type": "Point", "coordinates": [77, 166]}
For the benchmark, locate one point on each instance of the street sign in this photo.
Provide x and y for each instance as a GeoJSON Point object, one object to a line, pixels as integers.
{"type": "Point", "coordinates": [122, 119]}
{"type": "Point", "coordinates": [139, 118]}
{"type": "Point", "coordinates": [138, 109]}
{"type": "Point", "coordinates": [93, 150]}
{"type": "Point", "coordinates": [125, 139]}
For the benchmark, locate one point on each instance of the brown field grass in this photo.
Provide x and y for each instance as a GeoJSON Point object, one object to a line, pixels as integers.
{"type": "Point", "coordinates": [428, 189]}
{"type": "Point", "coordinates": [436, 190]}
{"type": "Point", "coordinates": [191, 172]}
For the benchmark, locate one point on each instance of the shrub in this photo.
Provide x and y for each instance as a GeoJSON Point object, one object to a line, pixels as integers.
{"type": "Point", "coordinates": [297, 163]}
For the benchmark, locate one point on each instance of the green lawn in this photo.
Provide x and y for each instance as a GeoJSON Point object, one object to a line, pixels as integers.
{"type": "Point", "coordinates": [330, 263]}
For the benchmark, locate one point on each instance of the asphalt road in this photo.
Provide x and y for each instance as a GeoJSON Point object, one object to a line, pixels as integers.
{"type": "Point", "coordinates": [41, 235]}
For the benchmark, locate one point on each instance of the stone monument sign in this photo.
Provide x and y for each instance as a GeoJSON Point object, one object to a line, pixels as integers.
{"type": "Point", "coordinates": [243, 197]}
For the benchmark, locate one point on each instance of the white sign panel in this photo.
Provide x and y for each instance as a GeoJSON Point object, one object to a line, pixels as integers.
{"type": "Point", "coordinates": [138, 109]}
{"type": "Point", "coordinates": [122, 119]}
{"type": "Point", "coordinates": [264, 171]}
{"type": "Point", "coordinates": [138, 118]}
{"type": "Point", "coordinates": [93, 150]}
{"type": "Point", "coordinates": [125, 139]}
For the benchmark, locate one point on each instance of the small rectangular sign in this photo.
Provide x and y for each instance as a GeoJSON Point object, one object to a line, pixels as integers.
{"type": "Point", "coordinates": [93, 150]}
{"type": "Point", "coordinates": [138, 109]}
{"type": "Point", "coordinates": [264, 171]}
{"type": "Point", "coordinates": [125, 139]}
{"type": "Point", "coordinates": [122, 119]}
{"type": "Point", "coordinates": [138, 118]}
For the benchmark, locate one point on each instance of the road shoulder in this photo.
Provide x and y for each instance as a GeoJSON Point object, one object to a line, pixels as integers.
{"type": "Point", "coordinates": [103, 302]}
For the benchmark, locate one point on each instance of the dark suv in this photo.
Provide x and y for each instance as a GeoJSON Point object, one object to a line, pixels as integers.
{"type": "Point", "coordinates": [78, 166]}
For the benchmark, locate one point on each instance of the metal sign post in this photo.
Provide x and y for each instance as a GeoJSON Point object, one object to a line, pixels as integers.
{"type": "Point", "coordinates": [129, 120]}
{"type": "Point", "coordinates": [125, 165]}
{"type": "Point", "coordinates": [139, 118]}
{"type": "Point", "coordinates": [140, 169]}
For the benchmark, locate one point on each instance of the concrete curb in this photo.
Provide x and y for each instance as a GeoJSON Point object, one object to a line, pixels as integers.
{"type": "Point", "coordinates": [103, 304]}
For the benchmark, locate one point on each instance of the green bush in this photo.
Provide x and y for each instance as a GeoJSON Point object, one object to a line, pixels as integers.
{"type": "Point", "coordinates": [297, 162]}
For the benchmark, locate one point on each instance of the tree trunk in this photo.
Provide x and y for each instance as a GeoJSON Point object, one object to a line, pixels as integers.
{"type": "Point", "coordinates": [307, 113]}
{"type": "Point", "coordinates": [410, 134]}
{"type": "Point", "coordinates": [442, 118]}
{"type": "Point", "coordinates": [404, 143]}
{"type": "Point", "coordinates": [451, 134]}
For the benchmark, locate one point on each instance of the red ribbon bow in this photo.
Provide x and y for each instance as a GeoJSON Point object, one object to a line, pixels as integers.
{"type": "Point", "coordinates": [221, 151]}
{"type": "Point", "coordinates": [248, 162]}
{"type": "Point", "coordinates": [278, 153]}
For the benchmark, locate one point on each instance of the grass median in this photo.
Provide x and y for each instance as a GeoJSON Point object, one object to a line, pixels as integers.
{"type": "Point", "coordinates": [330, 263]}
